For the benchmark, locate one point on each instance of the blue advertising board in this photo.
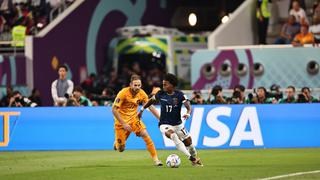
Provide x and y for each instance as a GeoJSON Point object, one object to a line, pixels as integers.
{"type": "Point", "coordinates": [211, 126]}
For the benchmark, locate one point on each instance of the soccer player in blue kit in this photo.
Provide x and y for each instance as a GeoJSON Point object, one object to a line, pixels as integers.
{"type": "Point", "coordinates": [170, 122]}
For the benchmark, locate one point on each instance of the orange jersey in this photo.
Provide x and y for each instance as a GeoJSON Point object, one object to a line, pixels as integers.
{"type": "Point", "coordinates": [128, 104]}
{"type": "Point", "coordinates": [304, 39]}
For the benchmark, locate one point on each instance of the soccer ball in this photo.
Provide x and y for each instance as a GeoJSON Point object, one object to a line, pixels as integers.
{"type": "Point", "coordinates": [173, 161]}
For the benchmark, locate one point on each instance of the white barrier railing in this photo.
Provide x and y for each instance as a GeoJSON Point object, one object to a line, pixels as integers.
{"type": "Point", "coordinates": [228, 92]}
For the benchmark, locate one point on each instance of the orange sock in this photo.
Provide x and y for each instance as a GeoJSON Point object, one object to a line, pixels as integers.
{"type": "Point", "coordinates": [150, 147]}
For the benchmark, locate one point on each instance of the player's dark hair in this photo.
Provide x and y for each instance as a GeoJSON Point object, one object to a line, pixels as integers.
{"type": "Point", "coordinates": [15, 93]}
{"type": "Point", "coordinates": [305, 88]}
{"type": "Point", "coordinates": [216, 89]}
{"type": "Point", "coordinates": [135, 77]}
{"type": "Point", "coordinates": [78, 89]}
{"type": "Point", "coordinates": [292, 87]}
{"type": "Point", "coordinates": [172, 79]}
{"type": "Point", "coordinates": [63, 66]}
{"type": "Point", "coordinates": [264, 90]}
{"type": "Point", "coordinates": [240, 87]}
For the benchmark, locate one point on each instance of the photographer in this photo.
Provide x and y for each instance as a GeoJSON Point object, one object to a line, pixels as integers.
{"type": "Point", "coordinates": [197, 98]}
{"type": "Point", "coordinates": [17, 100]}
{"type": "Point", "coordinates": [275, 93]}
{"type": "Point", "coordinates": [218, 97]}
{"type": "Point", "coordinates": [290, 91]}
{"type": "Point", "coordinates": [261, 97]}
{"type": "Point", "coordinates": [78, 99]}
{"type": "Point", "coordinates": [305, 96]}
{"type": "Point", "coordinates": [238, 96]}
{"type": "Point", "coordinates": [235, 99]}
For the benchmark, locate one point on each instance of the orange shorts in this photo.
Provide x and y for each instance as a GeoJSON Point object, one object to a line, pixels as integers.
{"type": "Point", "coordinates": [122, 135]}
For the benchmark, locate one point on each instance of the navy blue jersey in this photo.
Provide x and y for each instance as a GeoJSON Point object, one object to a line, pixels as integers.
{"type": "Point", "coordinates": [170, 107]}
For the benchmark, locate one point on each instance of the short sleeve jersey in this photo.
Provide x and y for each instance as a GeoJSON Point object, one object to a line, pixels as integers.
{"type": "Point", "coordinates": [128, 104]}
{"type": "Point", "coordinates": [170, 107]}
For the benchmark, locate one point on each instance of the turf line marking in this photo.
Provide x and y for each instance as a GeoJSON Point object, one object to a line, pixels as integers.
{"type": "Point", "coordinates": [290, 175]}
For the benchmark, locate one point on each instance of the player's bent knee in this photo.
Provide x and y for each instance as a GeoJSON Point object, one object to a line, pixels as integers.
{"type": "Point", "coordinates": [143, 133]}
{"type": "Point", "coordinates": [188, 141]}
{"type": "Point", "coordinates": [168, 133]}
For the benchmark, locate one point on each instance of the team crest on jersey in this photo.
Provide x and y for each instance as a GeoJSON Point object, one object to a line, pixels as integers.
{"type": "Point", "coordinates": [175, 101]}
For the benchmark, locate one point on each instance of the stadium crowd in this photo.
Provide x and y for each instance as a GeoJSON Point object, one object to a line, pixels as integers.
{"type": "Point", "coordinates": [100, 90]}
{"type": "Point", "coordinates": [300, 28]}
{"type": "Point", "coordinates": [29, 15]}
{"type": "Point", "coordinates": [91, 93]}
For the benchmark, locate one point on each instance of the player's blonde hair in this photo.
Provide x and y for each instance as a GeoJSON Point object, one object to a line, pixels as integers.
{"type": "Point", "coordinates": [135, 77]}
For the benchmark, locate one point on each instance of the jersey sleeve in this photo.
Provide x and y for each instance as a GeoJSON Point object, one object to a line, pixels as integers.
{"type": "Point", "coordinates": [119, 99]}
{"type": "Point", "coordinates": [184, 98]}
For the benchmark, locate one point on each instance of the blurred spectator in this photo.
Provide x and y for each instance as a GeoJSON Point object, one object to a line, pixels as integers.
{"type": "Point", "coordinates": [275, 92]}
{"type": "Point", "coordinates": [315, 29]}
{"type": "Point", "coordinates": [316, 9]}
{"type": "Point", "coordinates": [35, 97]}
{"type": "Point", "coordinates": [197, 98]}
{"type": "Point", "coordinates": [89, 83]}
{"type": "Point", "coordinates": [105, 99]}
{"type": "Point", "coordinates": [304, 37]}
{"type": "Point", "coordinates": [17, 100]}
{"type": "Point", "coordinates": [19, 34]}
{"type": "Point", "coordinates": [261, 97]}
{"type": "Point", "coordinates": [305, 96]}
{"type": "Point", "coordinates": [238, 96]}
{"type": "Point", "coordinates": [288, 31]}
{"type": "Point", "coordinates": [78, 98]}
{"type": "Point", "coordinates": [299, 13]}
{"type": "Point", "coordinates": [263, 15]}
{"type": "Point", "coordinates": [302, 4]}
{"type": "Point", "coordinates": [7, 10]}
{"type": "Point", "coordinates": [217, 94]}
{"type": "Point", "coordinates": [135, 67]}
{"type": "Point", "coordinates": [6, 99]}
{"type": "Point", "coordinates": [290, 92]}
{"type": "Point", "coordinates": [6, 34]}
{"type": "Point", "coordinates": [62, 88]}
{"type": "Point", "coordinates": [113, 81]}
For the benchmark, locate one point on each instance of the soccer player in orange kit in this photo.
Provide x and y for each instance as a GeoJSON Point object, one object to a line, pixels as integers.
{"type": "Point", "coordinates": [125, 113]}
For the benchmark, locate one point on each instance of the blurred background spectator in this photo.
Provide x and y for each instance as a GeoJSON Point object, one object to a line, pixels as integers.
{"type": "Point", "coordinates": [5, 100]}
{"type": "Point", "coordinates": [304, 37]}
{"type": "Point", "coordinates": [36, 96]}
{"type": "Point", "coordinates": [17, 100]}
{"type": "Point", "coordinates": [288, 31]}
{"type": "Point", "coordinates": [290, 95]}
{"type": "Point", "coordinates": [216, 96]}
{"type": "Point", "coordinates": [197, 98]}
{"type": "Point", "coordinates": [263, 15]}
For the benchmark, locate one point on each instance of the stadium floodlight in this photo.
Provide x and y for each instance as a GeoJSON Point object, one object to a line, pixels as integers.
{"type": "Point", "coordinates": [192, 19]}
{"type": "Point", "coordinates": [40, 25]}
{"type": "Point", "coordinates": [225, 19]}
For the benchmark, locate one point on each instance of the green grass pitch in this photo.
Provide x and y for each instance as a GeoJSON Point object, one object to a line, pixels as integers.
{"type": "Point", "coordinates": [136, 164]}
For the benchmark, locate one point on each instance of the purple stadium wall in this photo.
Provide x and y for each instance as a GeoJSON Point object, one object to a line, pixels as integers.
{"type": "Point", "coordinates": [67, 43]}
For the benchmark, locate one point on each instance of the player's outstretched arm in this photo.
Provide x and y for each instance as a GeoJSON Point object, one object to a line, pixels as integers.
{"type": "Point", "coordinates": [121, 121]}
{"type": "Point", "coordinates": [154, 112]}
{"type": "Point", "coordinates": [145, 106]}
{"type": "Point", "coordinates": [188, 107]}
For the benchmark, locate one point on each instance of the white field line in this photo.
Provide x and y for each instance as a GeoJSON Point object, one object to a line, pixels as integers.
{"type": "Point", "coordinates": [290, 175]}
